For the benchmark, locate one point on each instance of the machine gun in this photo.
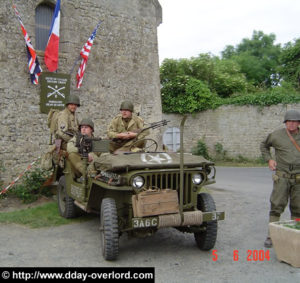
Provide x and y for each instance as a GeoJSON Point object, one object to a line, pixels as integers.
{"type": "Point", "coordinates": [155, 125]}
{"type": "Point", "coordinates": [88, 144]}
{"type": "Point", "coordinates": [121, 142]}
{"type": "Point", "coordinates": [84, 145]}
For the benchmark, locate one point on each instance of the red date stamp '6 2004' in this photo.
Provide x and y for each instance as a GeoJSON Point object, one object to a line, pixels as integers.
{"type": "Point", "coordinates": [252, 255]}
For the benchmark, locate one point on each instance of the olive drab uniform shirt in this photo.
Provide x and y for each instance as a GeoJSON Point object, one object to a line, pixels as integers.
{"type": "Point", "coordinates": [67, 122]}
{"type": "Point", "coordinates": [287, 156]}
{"type": "Point", "coordinates": [75, 158]}
{"type": "Point", "coordinates": [120, 125]}
{"type": "Point", "coordinates": [72, 148]}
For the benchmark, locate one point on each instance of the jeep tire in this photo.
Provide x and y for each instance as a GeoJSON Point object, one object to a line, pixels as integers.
{"type": "Point", "coordinates": [206, 239]}
{"type": "Point", "coordinates": [66, 206]}
{"type": "Point", "coordinates": [109, 231]}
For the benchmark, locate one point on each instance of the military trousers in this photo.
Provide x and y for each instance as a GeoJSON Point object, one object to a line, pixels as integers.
{"type": "Point", "coordinates": [78, 165]}
{"type": "Point", "coordinates": [285, 190]}
{"type": "Point", "coordinates": [126, 146]}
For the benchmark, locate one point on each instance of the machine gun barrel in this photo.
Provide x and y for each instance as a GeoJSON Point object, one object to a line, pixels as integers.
{"type": "Point", "coordinates": [156, 125]}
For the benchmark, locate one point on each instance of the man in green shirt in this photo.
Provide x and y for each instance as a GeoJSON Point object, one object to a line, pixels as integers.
{"type": "Point", "coordinates": [286, 165]}
{"type": "Point", "coordinates": [67, 121]}
{"type": "Point", "coordinates": [124, 130]}
{"type": "Point", "coordinates": [86, 127]}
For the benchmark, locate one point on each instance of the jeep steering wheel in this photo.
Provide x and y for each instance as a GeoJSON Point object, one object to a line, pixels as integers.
{"type": "Point", "coordinates": [150, 145]}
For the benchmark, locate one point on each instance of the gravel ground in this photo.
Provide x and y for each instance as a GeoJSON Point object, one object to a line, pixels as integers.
{"type": "Point", "coordinates": [243, 193]}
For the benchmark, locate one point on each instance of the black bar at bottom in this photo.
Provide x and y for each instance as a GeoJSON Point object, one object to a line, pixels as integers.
{"type": "Point", "coordinates": [83, 274]}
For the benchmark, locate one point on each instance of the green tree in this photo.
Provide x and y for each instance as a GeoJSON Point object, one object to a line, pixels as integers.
{"type": "Point", "coordinates": [173, 93]}
{"type": "Point", "coordinates": [185, 94]}
{"type": "Point", "coordinates": [223, 77]}
{"type": "Point", "coordinates": [289, 68]}
{"type": "Point", "coordinates": [169, 70]}
{"type": "Point", "coordinates": [198, 96]}
{"type": "Point", "coordinates": [228, 78]}
{"type": "Point", "coordinates": [258, 58]}
{"type": "Point", "coordinates": [201, 68]}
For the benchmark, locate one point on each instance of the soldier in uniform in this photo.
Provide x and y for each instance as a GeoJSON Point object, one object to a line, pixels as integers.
{"type": "Point", "coordinates": [67, 121]}
{"type": "Point", "coordinates": [86, 128]}
{"type": "Point", "coordinates": [286, 165]}
{"type": "Point", "coordinates": [124, 129]}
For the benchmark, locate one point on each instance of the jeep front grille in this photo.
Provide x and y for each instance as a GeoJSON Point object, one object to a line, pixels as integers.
{"type": "Point", "coordinates": [170, 180]}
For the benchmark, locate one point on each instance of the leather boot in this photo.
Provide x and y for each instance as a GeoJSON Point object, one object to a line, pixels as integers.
{"type": "Point", "coordinates": [268, 242]}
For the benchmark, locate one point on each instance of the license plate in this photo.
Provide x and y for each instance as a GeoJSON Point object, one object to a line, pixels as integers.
{"type": "Point", "coordinates": [213, 215]}
{"type": "Point", "coordinates": [144, 222]}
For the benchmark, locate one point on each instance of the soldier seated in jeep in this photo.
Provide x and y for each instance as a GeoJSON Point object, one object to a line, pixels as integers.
{"type": "Point", "coordinates": [125, 129]}
{"type": "Point", "coordinates": [76, 150]}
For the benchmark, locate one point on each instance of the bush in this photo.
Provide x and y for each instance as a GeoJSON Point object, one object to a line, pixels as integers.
{"type": "Point", "coordinates": [201, 149]}
{"type": "Point", "coordinates": [185, 94]}
{"type": "Point", "coordinates": [280, 94]}
{"type": "Point", "coordinates": [220, 152]}
{"type": "Point", "coordinates": [32, 186]}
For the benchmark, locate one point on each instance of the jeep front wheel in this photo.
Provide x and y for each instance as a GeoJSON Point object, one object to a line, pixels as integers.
{"type": "Point", "coordinates": [109, 230]}
{"type": "Point", "coordinates": [66, 206]}
{"type": "Point", "coordinates": [206, 238]}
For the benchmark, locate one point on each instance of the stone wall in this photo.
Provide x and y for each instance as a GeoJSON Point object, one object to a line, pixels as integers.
{"type": "Point", "coordinates": [239, 129]}
{"type": "Point", "coordinates": [123, 64]}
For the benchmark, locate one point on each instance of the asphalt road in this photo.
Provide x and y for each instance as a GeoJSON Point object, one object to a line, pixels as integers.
{"type": "Point", "coordinates": [243, 193]}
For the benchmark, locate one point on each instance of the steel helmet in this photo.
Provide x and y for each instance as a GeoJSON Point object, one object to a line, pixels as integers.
{"type": "Point", "coordinates": [292, 115]}
{"type": "Point", "coordinates": [73, 99]}
{"type": "Point", "coordinates": [86, 122]}
{"type": "Point", "coordinates": [126, 105]}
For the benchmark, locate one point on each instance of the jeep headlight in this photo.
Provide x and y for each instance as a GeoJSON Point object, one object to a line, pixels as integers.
{"type": "Point", "coordinates": [138, 182]}
{"type": "Point", "coordinates": [211, 172]}
{"type": "Point", "coordinates": [197, 179]}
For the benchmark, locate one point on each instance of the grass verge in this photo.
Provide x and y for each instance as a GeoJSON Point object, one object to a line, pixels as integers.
{"type": "Point", "coordinates": [45, 215]}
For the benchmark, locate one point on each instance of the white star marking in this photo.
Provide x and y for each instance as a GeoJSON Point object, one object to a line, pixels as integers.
{"type": "Point", "coordinates": [156, 159]}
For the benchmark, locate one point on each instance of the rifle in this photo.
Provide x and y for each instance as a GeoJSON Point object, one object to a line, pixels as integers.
{"type": "Point", "coordinates": [71, 134]}
{"type": "Point", "coordinates": [121, 142]}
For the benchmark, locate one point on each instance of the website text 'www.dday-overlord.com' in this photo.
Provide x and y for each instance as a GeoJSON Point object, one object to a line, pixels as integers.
{"type": "Point", "coordinates": [81, 274]}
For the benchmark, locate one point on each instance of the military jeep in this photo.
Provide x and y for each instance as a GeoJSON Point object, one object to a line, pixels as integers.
{"type": "Point", "coordinates": [141, 192]}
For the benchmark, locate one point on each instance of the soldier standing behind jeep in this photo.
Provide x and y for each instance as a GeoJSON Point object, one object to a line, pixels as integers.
{"type": "Point", "coordinates": [67, 121]}
{"type": "Point", "coordinates": [286, 180]}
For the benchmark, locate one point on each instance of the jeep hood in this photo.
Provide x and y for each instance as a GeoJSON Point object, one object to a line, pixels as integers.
{"type": "Point", "coordinates": [154, 160]}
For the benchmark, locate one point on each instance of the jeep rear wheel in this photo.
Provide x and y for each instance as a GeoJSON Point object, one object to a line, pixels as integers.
{"type": "Point", "coordinates": [109, 230]}
{"type": "Point", "coordinates": [66, 205]}
{"type": "Point", "coordinates": [206, 239]}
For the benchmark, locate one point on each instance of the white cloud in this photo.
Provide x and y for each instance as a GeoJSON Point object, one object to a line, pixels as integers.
{"type": "Point", "coordinates": [191, 27]}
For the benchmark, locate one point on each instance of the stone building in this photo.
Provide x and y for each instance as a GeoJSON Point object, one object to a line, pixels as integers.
{"type": "Point", "coordinates": [123, 64]}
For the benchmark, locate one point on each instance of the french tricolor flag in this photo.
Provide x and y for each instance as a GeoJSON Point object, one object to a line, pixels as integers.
{"type": "Point", "coordinates": [51, 51]}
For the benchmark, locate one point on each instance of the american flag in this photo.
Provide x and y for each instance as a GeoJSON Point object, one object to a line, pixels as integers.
{"type": "Point", "coordinates": [85, 52]}
{"type": "Point", "coordinates": [33, 63]}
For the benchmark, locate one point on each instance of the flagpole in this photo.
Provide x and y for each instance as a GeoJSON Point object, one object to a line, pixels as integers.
{"type": "Point", "coordinates": [79, 57]}
{"type": "Point", "coordinates": [75, 63]}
